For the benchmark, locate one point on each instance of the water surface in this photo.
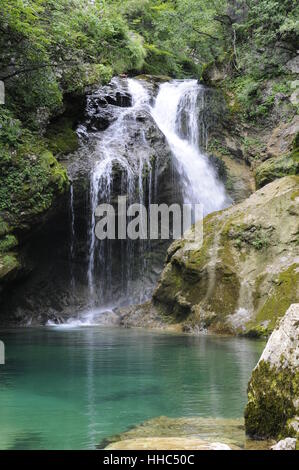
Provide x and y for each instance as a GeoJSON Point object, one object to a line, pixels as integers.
{"type": "Point", "coordinates": [72, 388]}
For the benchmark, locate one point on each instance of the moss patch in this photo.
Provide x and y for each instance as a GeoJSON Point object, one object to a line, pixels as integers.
{"type": "Point", "coordinates": [29, 184]}
{"type": "Point", "coordinates": [270, 401]}
{"type": "Point", "coordinates": [283, 293]}
{"type": "Point", "coordinates": [7, 243]}
{"type": "Point", "coordinates": [61, 137]}
{"type": "Point", "coordinates": [9, 264]}
{"type": "Point", "coordinates": [275, 168]}
{"type": "Point", "coordinates": [249, 235]}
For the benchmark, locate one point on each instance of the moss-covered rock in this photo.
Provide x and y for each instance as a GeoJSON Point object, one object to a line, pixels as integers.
{"type": "Point", "coordinates": [61, 137]}
{"type": "Point", "coordinates": [273, 392]}
{"type": "Point", "coordinates": [29, 186]}
{"type": "Point", "coordinates": [275, 168]}
{"type": "Point", "coordinates": [283, 163]}
{"type": "Point", "coordinates": [31, 182]}
{"type": "Point", "coordinates": [245, 275]}
{"type": "Point", "coordinates": [282, 293]}
{"type": "Point", "coordinates": [9, 266]}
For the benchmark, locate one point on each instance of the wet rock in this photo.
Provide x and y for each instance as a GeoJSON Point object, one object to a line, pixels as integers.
{"type": "Point", "coordinates": [273, 392]}
{"type": "Point", "coordinates": [144, 316]}
{"type": "Point", "coordinates": [102, 105]}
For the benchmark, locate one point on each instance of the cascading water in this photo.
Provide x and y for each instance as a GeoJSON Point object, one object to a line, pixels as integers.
{"type": "Point", "coordinates": [176, 113]}
{"type": "Point", "coordinates": [102, 175]}
{"type": "Point", "coordinates": [144, 138]}
{"type": "Point", "coordinates": [72, 243]}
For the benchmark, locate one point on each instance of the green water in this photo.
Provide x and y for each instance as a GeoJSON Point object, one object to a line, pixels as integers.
{"type": "Point", "coordinates": [69, 389]}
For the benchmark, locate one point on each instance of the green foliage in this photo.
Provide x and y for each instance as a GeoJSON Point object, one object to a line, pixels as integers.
{"type": "Point", "coordinates": [51, 47]}
{"type": "Point", "coordinates": [7, 243]}
{"type": "Point", "coordinates": [249, 235]}
{"type": "Point", "coordinates": [179, 36]}
{"type": "Point", "coordinates": [268, 36]}
{"type": "Point", "coordinates": [10, 129]}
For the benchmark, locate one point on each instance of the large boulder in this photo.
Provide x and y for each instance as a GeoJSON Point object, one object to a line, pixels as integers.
{"type": "Point", "coordinates": [245, 275]}
{"type": "Point", "coordinates": [284, 145]}
{"type": "Point", "coordinates": [275, 168]}
{"type": "Point", "coordinates": [273, 393]}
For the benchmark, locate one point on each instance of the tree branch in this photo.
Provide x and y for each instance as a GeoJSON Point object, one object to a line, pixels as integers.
{"type": "Point", "coordinates": [202, 33]}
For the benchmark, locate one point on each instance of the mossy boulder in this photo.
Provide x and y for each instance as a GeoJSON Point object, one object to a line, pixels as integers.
{"type": "Point", "coordinates": [273, 392]}
{"type": "Point", "coordinates": [279, 166]}
{"type": "Point", "coordinates": [245, 274]}
{"type": "Point", "coordinates": [275, 168]}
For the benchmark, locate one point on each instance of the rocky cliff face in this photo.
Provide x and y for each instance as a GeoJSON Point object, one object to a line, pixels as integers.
{"type": "Point", "coordinates": [245, 275]}
{"type": "Point", "coordinates": [273, 392]}
{"type": "Point", "coordinates": [32, 189]}
{"type": "Point", "coordinates": [259, 126]}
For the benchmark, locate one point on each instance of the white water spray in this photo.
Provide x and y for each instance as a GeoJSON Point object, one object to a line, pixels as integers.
{"type": "Point", "coordinates": [175, 102]}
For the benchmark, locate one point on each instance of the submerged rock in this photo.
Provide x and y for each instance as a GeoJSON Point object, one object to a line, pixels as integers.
{"type": "Point", "coordinates": [181, 433]}
{"type": "Point", "coordinates": [273, 392]}
{"type": "Point", "coordinates": [245, 275]}
{"type": "Point", "coordinates": [164, 443]}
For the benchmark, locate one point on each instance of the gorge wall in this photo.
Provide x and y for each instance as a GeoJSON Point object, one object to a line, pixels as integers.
{"type": "Point", "coordinates": [134, 139]}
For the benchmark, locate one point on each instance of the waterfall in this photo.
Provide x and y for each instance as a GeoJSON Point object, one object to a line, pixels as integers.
{"type": "Point", "coordinates": [142, 140]}
{"type": "Point", "coordinates": [176, 113]}
{"type": "Point", "coordinates": [108, 149]}
{"type": "Point", "coordinates": [73, 235]}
